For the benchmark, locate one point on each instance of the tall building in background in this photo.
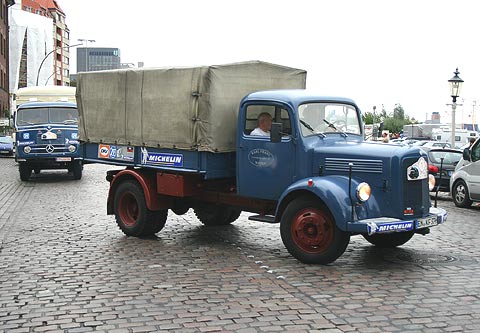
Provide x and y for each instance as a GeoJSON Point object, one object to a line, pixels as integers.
{"type": "Point", "coordinates": [97, 59]}
{"type": "Point", "coordinates": [4, 68]}
{"type": "Point", "coordinates": [61, 38]}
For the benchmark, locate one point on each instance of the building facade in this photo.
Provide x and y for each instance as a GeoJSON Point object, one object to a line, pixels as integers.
{"type": "Point", "coordinates": [61, 35]}
{"type": "Point", "coordinates": [97, 59]}
{"type": "Point", "coordinates": [4, 58]}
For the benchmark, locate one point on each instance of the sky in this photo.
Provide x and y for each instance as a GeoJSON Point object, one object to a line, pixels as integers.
{"type": "Point", "coordinates": [377, 52]}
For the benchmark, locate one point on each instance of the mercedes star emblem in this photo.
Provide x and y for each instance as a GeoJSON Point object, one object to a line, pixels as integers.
{"type": "Point", "coordinates": [49, 149]}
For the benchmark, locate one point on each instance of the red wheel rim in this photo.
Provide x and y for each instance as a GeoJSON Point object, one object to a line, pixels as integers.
{"type": "Point", "coordinates": [128, 209]}
{"type": "Point", "coordinates": [312, 230]}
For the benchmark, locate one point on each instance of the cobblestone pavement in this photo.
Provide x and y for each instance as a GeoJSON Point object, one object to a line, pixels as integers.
{"type": "Point", "coordinates": [66, 267]}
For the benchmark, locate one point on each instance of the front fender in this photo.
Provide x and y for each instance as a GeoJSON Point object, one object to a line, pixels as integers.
{"type": "Point", "coordinates": [331, 190]}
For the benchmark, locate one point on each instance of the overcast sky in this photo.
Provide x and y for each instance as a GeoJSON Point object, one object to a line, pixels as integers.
{"type": "Point", "coordinates": [374, 51]}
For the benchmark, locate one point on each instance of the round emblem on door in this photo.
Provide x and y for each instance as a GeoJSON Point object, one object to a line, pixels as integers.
{"type": "Point", "coordinates": [49, 149]}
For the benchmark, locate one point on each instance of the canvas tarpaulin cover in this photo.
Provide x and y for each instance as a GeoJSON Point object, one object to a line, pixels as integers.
{"type": "Point", "coordinates": [183, 108]}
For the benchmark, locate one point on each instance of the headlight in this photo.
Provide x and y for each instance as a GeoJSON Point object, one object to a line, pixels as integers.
{"type": "Point", "coordinates": [431, 182]}
{"type": "Point", "coordinates": [363, 192]}
{"type": "Point", "coordinates": [27, 149]}
{"type": "Point", "coordinates": [72, 148]}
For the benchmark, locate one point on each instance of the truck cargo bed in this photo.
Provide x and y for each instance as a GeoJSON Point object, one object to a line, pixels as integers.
{"type": "Point", "coordinates": [210, 165]}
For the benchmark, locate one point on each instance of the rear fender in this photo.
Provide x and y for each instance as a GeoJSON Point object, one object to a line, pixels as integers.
{"type": "Point", "coordinates": [332, 191]}
{"type": "Point", "coordinates": [147, 181]}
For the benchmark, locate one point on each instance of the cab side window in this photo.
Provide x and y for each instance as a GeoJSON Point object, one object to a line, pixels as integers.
{"type": "Point", "coordinates": [476, 152]}
{"type": "Point", "coordinates": [278, 114]}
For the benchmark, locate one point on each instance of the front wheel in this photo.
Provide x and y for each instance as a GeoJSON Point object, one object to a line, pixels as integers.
{"type": "Point", "coordinates": [389, 240]}
{"type": "Point", "coordinates": [77, 170]}
{"type": "Point", "coordinates": [460, 195]}
{"type": "Point", "coordinates": [310, 234]}
{"type": "Point", "coordinates": [131, 212]}
{"type": "Point", "coordinates": [25, 171]}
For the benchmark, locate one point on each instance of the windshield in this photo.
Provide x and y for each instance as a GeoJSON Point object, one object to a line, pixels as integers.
{"type": "Point", "coordinates": [327, 118]}
{"type": "Point", "coordinates": [448, 157]}
{"type": "Point", "coordinates": [6, 139]}
{"type": "Point", "coordinates": [46, 116]}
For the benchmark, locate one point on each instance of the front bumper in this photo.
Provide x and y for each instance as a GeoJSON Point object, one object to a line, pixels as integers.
{"type": "Point", "coordinates": [382, 225]}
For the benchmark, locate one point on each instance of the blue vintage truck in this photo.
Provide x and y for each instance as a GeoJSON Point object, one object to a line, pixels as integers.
{"type": "Point", "coordinates": [46, 135]}
{"type": "Point", "coordinates": [192, 148]}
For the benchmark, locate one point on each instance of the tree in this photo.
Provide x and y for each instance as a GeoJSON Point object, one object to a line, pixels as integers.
{"type": "Point", "coordinates": [398, 112]}
{"type": "Point", "coordinates": [367, 118]}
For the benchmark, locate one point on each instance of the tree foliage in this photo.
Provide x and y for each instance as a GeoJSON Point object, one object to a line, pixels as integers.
{"type": "Point", "coordinates": [393, 121]}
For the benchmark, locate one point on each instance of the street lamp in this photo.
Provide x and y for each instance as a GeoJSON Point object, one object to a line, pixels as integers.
{"type": "Point", "coordinates": [455, 87]}
{"type": "Point", "coordinates": [46, 56]}
{"type": "Point", "coordinates": [86, 50]}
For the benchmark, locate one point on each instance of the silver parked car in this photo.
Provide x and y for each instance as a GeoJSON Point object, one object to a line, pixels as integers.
{"type": "Point", "coordinates": [465, 181]}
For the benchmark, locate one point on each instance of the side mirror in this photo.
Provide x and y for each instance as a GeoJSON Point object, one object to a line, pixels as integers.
{"type": "Point", "coordinates": [466, 154]}
{"type": "Point", "coordinates": [276, 132]}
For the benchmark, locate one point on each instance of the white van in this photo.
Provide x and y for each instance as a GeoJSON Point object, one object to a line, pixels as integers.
{"type": "Point", "coordinates": [45, 94]}
{"type": "Point", "coordinates": [465, 181]}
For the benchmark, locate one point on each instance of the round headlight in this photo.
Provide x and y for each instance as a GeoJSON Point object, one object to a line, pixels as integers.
{"type": "Point", "coordinates": [363, 192]}
{"type": "Point", "coordinates": [431, 182]}
{"type": "Point", "coordinates": [27, 149]}
{"type": "Point", "coordinates": [72, 148]}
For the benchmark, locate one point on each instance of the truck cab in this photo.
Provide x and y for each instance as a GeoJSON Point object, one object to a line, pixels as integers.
{"type": "Point", "coordinates": [327, 181]}
{"type": "Point", "coordinates": [47, 138]}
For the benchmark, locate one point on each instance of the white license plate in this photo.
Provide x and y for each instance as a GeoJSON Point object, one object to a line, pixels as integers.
{"type": "Point", "coordinates": [63, 159]}
{"type": "Point", "coordinates": [427, 222]}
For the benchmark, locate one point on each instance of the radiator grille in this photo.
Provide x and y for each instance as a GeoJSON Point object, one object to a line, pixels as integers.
{"type": "Point", "coordinates": [359, 165]}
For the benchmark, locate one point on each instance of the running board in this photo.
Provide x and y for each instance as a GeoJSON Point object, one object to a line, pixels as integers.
{"type": "Point", "coordinates": [263, 218]}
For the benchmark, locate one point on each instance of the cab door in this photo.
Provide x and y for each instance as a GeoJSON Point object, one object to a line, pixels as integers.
{"type": "Point", "coordinates": [264, 168]}
{"type": "Point", "coordinates": [473, 172]}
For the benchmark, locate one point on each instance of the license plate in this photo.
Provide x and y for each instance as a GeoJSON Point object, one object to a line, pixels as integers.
{"type": "Point", "coordinates": [63, 159]}
{"type": "Point", "coordinates": [427, 222]}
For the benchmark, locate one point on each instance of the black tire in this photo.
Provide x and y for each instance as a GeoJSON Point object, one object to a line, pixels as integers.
{"type": "Point", "coordinates": [25, 171]}
{"type": "Point", "coordinates": [211, 214]}
{"type": "Point", "coordinates": [310, 234]}
{"type": "Point", "coordinates": [180, 207]}
{"type": "Point", "coordinates": [131, 212]}
{"type": "Point", "coordinates": [460, 194]}
{"type": "Point", "coordinates": [389, 240]}
{"type": "Point", "coordinates": [77, 170]}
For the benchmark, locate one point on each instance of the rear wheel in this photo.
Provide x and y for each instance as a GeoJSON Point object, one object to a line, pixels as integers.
{"type": "Point", "coordinates": [131, 212]}
{"type": "Point", "coordinates": [389, 240]}
{"type": "Point", "coordinates": [460, 195]}
{"type": "Point", "coordinates": [310, 234]}
{"type": "Point", "coordinates": [211, 214]}
{"type": "Point", "coordinates": [25, 171]}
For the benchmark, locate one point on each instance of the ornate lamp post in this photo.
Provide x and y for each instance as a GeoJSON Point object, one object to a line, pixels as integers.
{"type": "Point", "coordinates": [455, 87]}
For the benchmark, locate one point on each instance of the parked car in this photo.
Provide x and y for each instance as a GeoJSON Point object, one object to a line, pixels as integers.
{"type": "Point", "coordinates": [6, 145]}
{"type": "Point", "coordinates": [465, 181]}
{"type": "Point", "coordinates": [427, 145]}
{"type": "Point", "coordinates": [441, 164]}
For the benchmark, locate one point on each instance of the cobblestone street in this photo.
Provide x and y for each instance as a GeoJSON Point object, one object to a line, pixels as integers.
{"type": "Point", "coordinates": [65, 266]}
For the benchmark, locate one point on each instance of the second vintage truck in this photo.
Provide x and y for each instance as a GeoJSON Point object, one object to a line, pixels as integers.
{"type": "Point", "coordinates": [184, 137]}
